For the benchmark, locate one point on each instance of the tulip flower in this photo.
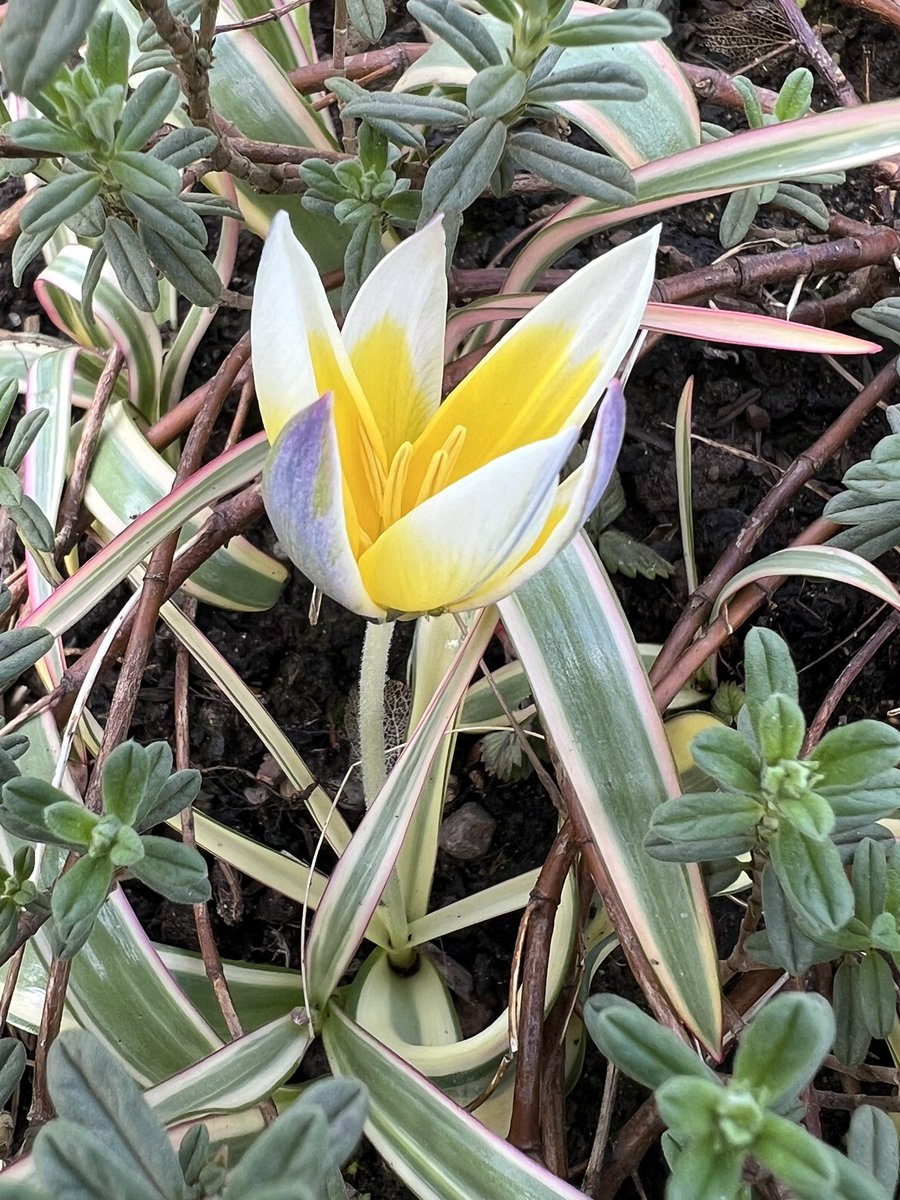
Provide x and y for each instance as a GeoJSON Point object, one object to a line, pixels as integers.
{"type": "Point", "coordinates": [395, 504]}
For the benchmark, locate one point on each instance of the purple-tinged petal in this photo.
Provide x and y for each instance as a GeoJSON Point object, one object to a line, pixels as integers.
{"type": "Point", "coordinates": [303, 489]}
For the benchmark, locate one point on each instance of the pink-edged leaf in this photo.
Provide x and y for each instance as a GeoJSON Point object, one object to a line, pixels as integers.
{"type": "Point", "coordinates": [365, 867]}
{"type": "Point", "coordinates": [815, 562]}
{"type": "Point", "coordinates": [195, 324]}
{"type": "Point", "coordinates": [834, 141]}
{"type": "Point", "coordinates": [595, 702]}
{"type": "Point", "coordinates": [116, 322]}
{"type": "Point", "coordinates": [681, 320]}
{"type": "Point", "coordinates": [440, 1151]}
{"type": "Point", "coordinates": [750, 329]}
{"type": "Point", "coordinates": [78, 594]}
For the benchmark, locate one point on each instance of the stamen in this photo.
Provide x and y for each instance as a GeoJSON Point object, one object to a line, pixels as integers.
{"type": "Point", "coordinates": [442, 463]}
{"type": "Point", "coordinates": [392, 501]}
{"type": "Point", "coordinates": [373, 468]}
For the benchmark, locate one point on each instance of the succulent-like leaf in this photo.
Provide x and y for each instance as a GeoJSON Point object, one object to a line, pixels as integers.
{"type": "Point", "coordinates": [872, 1145]}
{"type": "Point", "coordinates": [638, 1045]}
{"type": "Point", "coordinates": [108, 50]}
{"type": "Point", "coordinates": [77, 898]}
{"type": "Point", "coordinates": [464, 170]}
{"type": "Point", "coordinates": [174, 870]}
{"type": "Point", "coordinates": [783, 1046]}
{"type": "Point", "coordinates": [37, 37]}
{"type": "Point", "coordinates": [132, 266]}
{"type": "Point", "coordinates": [146, 110]}
{"type": "Point", "coordinates": [768, 667]}
{"type": "Point", "coordinates": [795, 1157]}
{"type": "Point", "coordinates": [582, 172]}
{"type": "Point", "coordinates": [811, 873]}
{"type": "Point", "coordinates": [459, 28]}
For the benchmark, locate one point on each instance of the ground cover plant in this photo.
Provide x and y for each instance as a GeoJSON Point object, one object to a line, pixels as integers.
{"type": "Point", "coordinates": [448, 604]}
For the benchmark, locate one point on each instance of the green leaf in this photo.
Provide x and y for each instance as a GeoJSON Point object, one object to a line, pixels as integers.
{"type": "Point", "coordinates": [26, 430]}
{"type": "Point", "coordinates": [869, 880]}
{"type": "Point", "coordinates": [704, 1171]}
{"type": "Point", "coordinates": [795, 1157]}
{"type": "Point", "coordinates": [189, 270]}
{"type": "Point", "coordinates": [582, 172]}
{"type": "Point", "coordinates": [877, 995]}
{"type": "Point", "coordinates": [36, 38]}
{"type": "Point", "coordinates": [854, 753]}
{"type": "Point", "coordinates": [71, 822]}
{"type": "Point", "coordinates": [127, 848]}
{"type": "Point", "coordinates": [125, 775]}
{"type": "Point", "coordinates": [77, 898]}
{"type": "Point", "coordinates": [170, 218]}
{"type": "Point", "coordinates": [92, 274]}
{"type": "Point", "coordinates": [790, 946]}
{"type": "Point", "coordinates": [44, 134]}
{"type": "Point", "coordinates": [780, 727]}
{"type": "Point", "coordinates": [144, 175]}
{"type": "Point", "coordinates": [184, 146]}
{"type": "Point", "coordinates": [133, 268]}
{"type": "Point", "coordinates": [459, 28]}
{"type": "Point", "coordinates": [73, 1163]}
{"type": "Point", "coordinates": [27, 247]}
{"type": "Point", "coordinates": [91, 1089]}
{"type": "Point", "coordinates": [768, 668]}
{"type": "Point", "coordinates": [368, 17]}
{"type": "Point", "coordinates": [343, 1104]}
{"type": "Point", "coordinates": [496, 91]}
{"type": "Point", "coordinates": [25, 800]}
{"type": "Point", "coordinates": [434, 111]}
{"type": "Point", "coordinates": [795, 95]}
{"type": "Point", "coordinates": [11, 493]}
{"type": "Point", "coordinates": [464, 170]}
{"type": "Point", "coordinates": [688, 1105]}
{"type": "Point", "coordinates": [727, 758]}
{"type": "Point", "coordinates": [872, 1145]}
{"type": "Point", "coordinates": [809, 814]}
{"type": "Point", "coordinates": [783, 1046]}
{"type": "Point", "coordinates": [176, 794]}
{"type": "Point", "coordinates": [108, 50]}
{"type": "Point", "coordinates": [13, 1060]}
{"type": "Point", "coordinates": [146, 110]}
{"type": "Point", "coordinates": [363, 254]}
{"type": "Point", "coordinates": [641, 1048]}
{"type": "Point", "coordinates": [174, 870]}
{"type": "Point", "coordinates": [589, 81]}
{"type": "Point", "coordinates": [32, 526]}
{"type": "Point", "coordinates": [51, 205]}
{"type": "Point", "coordinates": [295, 1147]}
{"type": "Point", "coordinates": [621, 25]}
{"type": "Point", "coordinates": [811, 873]}
{"type": "Point", "coordinates": [851, 1039]}
{"type": "Point", "coordinates": [703, 816]}
{"type": "Point", "coordinates": [750, 97]}
{"type": "Point", "coordinates": [860, 803]}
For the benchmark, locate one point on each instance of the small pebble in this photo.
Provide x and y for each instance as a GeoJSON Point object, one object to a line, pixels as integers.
{"type": "Point", "coordinates": [467, 833]}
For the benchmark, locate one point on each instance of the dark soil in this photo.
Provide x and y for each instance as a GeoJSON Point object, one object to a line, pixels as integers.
{"type": "Point", "coordinates": [305, 673]}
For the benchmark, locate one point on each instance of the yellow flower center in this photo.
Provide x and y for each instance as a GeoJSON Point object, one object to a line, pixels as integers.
{"type": "Point", "coordinates": [388, 488]}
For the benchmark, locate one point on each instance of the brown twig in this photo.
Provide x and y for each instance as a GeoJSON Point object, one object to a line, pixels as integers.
{"type": "Point", "coordinates": [634, 1139]}
{"type": "Point", "coordinates": [274, 14]}
{"type": "Point", "coordinates": [9, 984]}
{"type": "Point", "coordinates": [357, 66]}
{"type": "Point", "coordinates": [70, 507]}
{"type": "Point", "coordinates": [51, 1018]}
{"type": "Point", "coordinates": [539, 918]}
{"type": "Point", "coordinates": [802, 469]}
{"type": "Point", "coordinates": [854, 667]}
{"type": "Point", "coordinates": [593, 1175]}
{"type": "Point", "coordinates": [811, 45]}
{"type": "Point", "coordinates": [717, 87]}
{"type": "Point", "coordinates": [180, 418]}
{"type": "Point", "coordinates": [849, 1103]}
{"type": "Point", "coordinates": [156, 579]}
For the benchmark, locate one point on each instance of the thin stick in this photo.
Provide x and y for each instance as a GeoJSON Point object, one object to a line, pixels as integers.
{"type": "Point", "coordinates": [74, 495]}
{"type": "Point", "coordinates": [593, 1173]}
{"type": "Point", "coordinates": [274, 14]}
{"type": "Point", "coordinates": [51, 1018]}
{"type": "Point", "coordinates": [854, 667]}
{"type": "Point", "coordinates": [540, 915]}
{"type": "Point", "coordinates": [801, 470]}
{"type": "Point", "coordinates": [9, 984]}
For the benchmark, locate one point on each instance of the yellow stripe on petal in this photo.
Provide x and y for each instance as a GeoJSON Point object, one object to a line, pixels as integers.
{"type": "Point", "coordinates": [446, 548]}
{"type": "Point", "coordinates": [547, 372]}
{"type": "Point", "coordinates": [394, 334]}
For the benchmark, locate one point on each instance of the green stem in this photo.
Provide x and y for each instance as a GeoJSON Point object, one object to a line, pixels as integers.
{"type": "Point", "coordinates": [372, 676]}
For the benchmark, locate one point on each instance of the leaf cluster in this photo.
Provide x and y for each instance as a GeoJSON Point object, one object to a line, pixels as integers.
{"type": "Point", "coordinates": [107, 188]}
{"type": "Point", "coordinates": [792, 811]}
{"type": "Point", "coordinates": [138, 791]}
{"type": "Point", "coordinates": [106, 1143]}
{"type": "Point", "coordinates": [715, 1128]}
{"type": "Point", "coordinates": [793, 102]}
{"type": "Point", "coordinates": [490, 122]}
{"type": "Point", "coordinates": [870, 505]}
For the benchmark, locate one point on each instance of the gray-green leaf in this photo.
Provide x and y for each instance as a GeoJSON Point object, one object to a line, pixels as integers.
{"type": "Point", "coordinates": [132, 266]}
{"type": "Point", "coordinates": [581, 172]}
{"type": "Point", "coordinates": [464, 170]}
{"type": "Point", "coordinates": [38, 36]}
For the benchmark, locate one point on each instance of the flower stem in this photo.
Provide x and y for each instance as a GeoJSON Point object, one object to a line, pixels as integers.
{"type": "Point", "coordinates": [372, 676]}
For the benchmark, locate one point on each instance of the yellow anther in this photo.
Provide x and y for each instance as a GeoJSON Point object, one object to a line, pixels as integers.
{"type": "Point", "coordinates": [392, 500]}
{"type": "Point", "coordinates": [442, 463]}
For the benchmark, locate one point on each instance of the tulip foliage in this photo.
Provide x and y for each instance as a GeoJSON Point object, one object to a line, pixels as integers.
{"type": "Point", "coordinates": [417, 466]}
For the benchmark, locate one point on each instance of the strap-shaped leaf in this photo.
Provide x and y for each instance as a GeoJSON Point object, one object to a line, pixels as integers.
{"type": "Point", "coordinates": [622, 25]}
